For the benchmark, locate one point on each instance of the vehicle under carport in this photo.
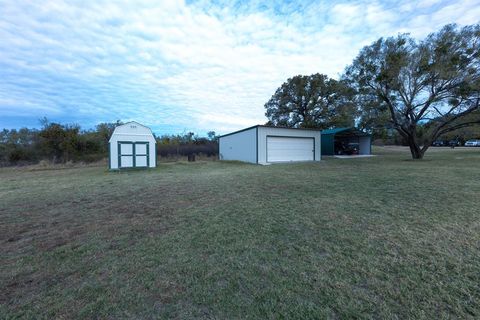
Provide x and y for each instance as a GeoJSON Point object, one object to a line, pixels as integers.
{"type": "Point", "coordinates": [345, 141]}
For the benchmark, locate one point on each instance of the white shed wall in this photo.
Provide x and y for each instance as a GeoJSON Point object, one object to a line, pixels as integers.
{"type": "Point", "coordinates": [263, 132]}
{"type": "Point", "coordinates": [132, 132]}
{"type": "Point", "coordinates": [241, 146]}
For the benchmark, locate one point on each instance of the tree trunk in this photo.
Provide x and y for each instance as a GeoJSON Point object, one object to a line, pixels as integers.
{"type": "Point", "coordinates": [415, 150]}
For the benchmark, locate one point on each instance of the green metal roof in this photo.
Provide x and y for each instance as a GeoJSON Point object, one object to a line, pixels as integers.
{"type": "Point", "coordinates": [348, 131]}
{"type": "Point", "coordinates": [336, 130]}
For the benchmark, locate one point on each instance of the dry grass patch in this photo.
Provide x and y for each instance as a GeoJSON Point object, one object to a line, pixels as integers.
{"type": "Point", "coordinates": [378, 237]}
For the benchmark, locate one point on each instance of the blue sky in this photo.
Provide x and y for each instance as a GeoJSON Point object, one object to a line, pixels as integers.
{"type": "Point", "coordinates": [185, 66]}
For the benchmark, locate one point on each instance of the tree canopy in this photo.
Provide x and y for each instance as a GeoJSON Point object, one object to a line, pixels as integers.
{"type": "Point", "coordinates": [313, 101]}
{"type": "Point", "coordinates": [436, 80]}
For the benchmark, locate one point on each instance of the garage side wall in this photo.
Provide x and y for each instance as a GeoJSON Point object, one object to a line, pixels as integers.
{"type": "Point", "coordinates": [328, 145]}
{"type": "Point", "coordinates": [241, 146]}
{"type": "Point", "coordinates": [263, 132]}
{"type": "Point", "coordinates": [365, 145]}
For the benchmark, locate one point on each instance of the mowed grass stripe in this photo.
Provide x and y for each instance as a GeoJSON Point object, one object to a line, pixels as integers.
{"type": "Point", "coordinates": [380, 237]}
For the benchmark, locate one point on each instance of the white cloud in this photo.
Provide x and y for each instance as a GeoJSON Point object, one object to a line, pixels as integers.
{"type": "Point", "coordinates": [427, 3]}
{"type": "Point", "coordinates": [198, 66]}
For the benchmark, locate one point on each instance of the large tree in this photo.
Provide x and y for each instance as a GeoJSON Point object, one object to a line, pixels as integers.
{"type": "Point", "coordinates": [313, 101]}
{"type": "Point", "coordinates": [436, 80]}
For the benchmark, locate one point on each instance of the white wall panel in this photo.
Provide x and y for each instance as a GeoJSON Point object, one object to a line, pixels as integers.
{"type": "Point", "coordinates": [241, 146]}
{"type": "Point", "coordinates": [364, 145]}
{"type": "Point", "coordinates": [126, 162]}
{"type": "Point", "coordinates": [140, 161]}
{"type": "Point", "coordinates": [126, 148]}
{"type": "Point", "coordinates": [141, 148]}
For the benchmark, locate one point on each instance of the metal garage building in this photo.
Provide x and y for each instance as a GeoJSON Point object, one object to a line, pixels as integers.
{"type": "Point", "coordinates": [264, 144]}
{"type": "Point", "coordinates": [335, 141]}
{"type": "Point", "coordinates": [132, 145]}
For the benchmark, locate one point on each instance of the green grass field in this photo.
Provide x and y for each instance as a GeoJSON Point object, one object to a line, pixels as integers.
{"type": "Point", "coordinates": [381, 237]}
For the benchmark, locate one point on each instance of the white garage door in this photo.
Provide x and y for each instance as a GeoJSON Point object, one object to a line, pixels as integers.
{"type": "Point", "coordinates": [280, 149]}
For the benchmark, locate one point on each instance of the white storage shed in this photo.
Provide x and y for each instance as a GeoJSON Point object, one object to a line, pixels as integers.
{"type": "Point", "coordinates": [132, 145]}
{"type": "Point", "coordinates": [265, 144]}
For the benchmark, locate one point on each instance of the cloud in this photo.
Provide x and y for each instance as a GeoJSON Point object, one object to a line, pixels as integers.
{"type": "Point", "coordinates": [177, 65]}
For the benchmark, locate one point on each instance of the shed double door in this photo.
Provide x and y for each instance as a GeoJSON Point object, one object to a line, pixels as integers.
{"type": "Point", "coordinates": [133, 154]}
{"type": "Point", "coordinates": [283, 149]}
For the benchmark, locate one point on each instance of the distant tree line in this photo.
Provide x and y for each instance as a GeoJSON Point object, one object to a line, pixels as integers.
{"type": "Point", "coordinates": [386, 134]}
{"type": "Point", "coordinates": [61, 143]}
{"type": "Point", "coordinates": [175, 146]}
{"type": "Point", "coordinates": [54, 142]}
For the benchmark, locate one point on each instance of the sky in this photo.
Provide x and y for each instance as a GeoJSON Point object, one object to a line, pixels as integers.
{"type": "Point", "coordinates": [179, 66]}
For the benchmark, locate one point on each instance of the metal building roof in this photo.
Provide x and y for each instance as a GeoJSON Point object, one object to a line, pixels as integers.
{"type": "Point", "coordinates": [266, 126]}
{"type": "Point", "coordinates": [340, 130]}
{"type": "Point", "coordinates": [334, 131]}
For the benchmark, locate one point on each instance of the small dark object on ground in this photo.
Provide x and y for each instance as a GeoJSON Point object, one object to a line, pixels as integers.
{"type": "Point", "coordinates": [191, 158]}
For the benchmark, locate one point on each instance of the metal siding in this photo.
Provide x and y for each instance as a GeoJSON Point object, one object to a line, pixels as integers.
{"type": "Point", "coordinates": [239, 146]}
{"type": "Point", "coordinates": [285, 149]}
{"type": "Point", "coordinates": [238, 131]}
{"type": "Point", "coordinates": [336, 130]}
{"type": "Point", "coordinates": [256, 144]}
{"type": "Point", "coordinates": [328, 144]}
{"type": "Point", "coordinates": [365, 145]}
{"type": "Point", "coordinates": [263, 132]}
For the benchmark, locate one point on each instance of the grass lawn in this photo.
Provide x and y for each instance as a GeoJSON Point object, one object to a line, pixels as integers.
{"type": "Point", "coordinates": [381, 237]}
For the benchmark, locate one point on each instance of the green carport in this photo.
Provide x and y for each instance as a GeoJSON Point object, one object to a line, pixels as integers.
{"type": "Point", "coordinates": [344, 141]}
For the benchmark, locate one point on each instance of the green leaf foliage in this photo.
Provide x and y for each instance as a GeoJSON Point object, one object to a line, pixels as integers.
{"type": "Point", "coordinates": [313, 101]}
{"type": "Point", "coordinates": [410, 83]}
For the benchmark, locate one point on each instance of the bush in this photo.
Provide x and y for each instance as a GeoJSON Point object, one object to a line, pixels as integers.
{"type": "Point", "coordinates": [378, 142]}
{"type": "Point", "coordinates": [208, 149]}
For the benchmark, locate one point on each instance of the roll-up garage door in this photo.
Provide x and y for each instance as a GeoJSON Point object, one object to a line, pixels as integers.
{"type": "Point", "coordinates": [282, 149]}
